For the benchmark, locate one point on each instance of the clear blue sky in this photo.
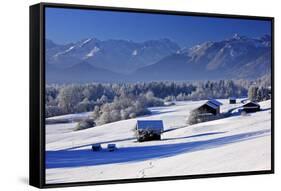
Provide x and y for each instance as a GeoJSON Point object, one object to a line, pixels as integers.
{"type": "Point", "coordinates": [70, 25]}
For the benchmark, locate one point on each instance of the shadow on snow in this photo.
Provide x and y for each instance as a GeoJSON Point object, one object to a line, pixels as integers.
{"type": "Point", "coordinates": [86, 157]}
{"type": "Point", "coordinates": [104, 142]}
{"type": "Point", "coordinates": [192, 136]}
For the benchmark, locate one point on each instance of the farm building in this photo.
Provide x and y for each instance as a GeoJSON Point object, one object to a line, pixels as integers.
{"type": "Point", "coordinates": [251, 107]}
{"type": "Point", "coordinates": [210, 107]}
{"type": "Point", "coordinates": [232, 100]}
{"type": "Point", "coordinates": [147, 130]}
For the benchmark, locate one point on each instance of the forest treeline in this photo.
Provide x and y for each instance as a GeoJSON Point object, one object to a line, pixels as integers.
{"type": "Point", "coordinates": [116, 101]}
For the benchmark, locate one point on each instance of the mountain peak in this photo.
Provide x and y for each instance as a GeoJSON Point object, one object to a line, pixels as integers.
{"type": "Point", "coordinates": [50, 44]}
{"type": "Point", "coordinates": [238, 37]}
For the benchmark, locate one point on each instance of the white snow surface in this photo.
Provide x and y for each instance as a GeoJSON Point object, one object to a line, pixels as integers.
{"type": "Point", "coordinates": [64, 52]}
{"type": "Point", "coordinates": [234, 144]}
{"type": "Point", "coordinates": [134, 53]}
{"type": "Point", "coordinates": [85, 42]}
{"type": "Point", "coordinates": [92, 52]}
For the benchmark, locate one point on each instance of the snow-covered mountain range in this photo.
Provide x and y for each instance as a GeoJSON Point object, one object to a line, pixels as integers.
{"type": "Point", "coordinates": [122, 60]}
{"type": "Point", "coordinates": [120, 56]}
{"type": "Point", "coordinates": [236, 57]}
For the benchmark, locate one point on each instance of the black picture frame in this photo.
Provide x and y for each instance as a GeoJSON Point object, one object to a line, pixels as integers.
{"type": "Point", "coordinates": [37, 93]}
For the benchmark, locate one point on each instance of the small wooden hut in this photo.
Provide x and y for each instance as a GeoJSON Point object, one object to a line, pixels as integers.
{"type": "Point", "coordinates": [148, 130]}
{"type": "Point", "coordinates": [211, 106]}
{"type": "Point", "coordinates": [251, 107]}
{"type": "Point", "coordinates": [232, 100]}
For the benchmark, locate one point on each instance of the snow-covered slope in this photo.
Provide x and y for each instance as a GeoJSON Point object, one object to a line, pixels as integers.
{"type": "Point", "coordinates": [237, 143]}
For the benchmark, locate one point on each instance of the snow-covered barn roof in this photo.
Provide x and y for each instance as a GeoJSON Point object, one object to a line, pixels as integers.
{"type": "Point", "coordinates": [212, 105]}
{"type": "Point", "coordinates": [215, 102]}
{"type": "Point", "coordinates": [150, 124]}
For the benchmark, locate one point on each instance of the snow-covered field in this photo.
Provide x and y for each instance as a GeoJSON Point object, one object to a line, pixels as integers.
{"type": "Point", "coordinates": [237, 143]}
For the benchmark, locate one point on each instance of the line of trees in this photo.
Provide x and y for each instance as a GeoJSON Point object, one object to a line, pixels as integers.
{"type": "Point", "coordinates": [125, 107]}
{"type": "Point", "coordinates": [259, 93]}
{"type": "Point", "coordinates": [219, 89]}
{"type": "Point", "coordinates": [114, 101]}
{"type": "Point", "coordinates": [76, 98]}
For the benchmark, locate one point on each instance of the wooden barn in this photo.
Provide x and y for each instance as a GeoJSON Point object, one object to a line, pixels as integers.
{"type": "Point", "coordinates": [147, 130]}
{"type": "Point", "coordinates": [232, 100]}
{"type": "Point", "coordinates": [251, 107]}
{"type": "Point", "coordinates": [211, 107]}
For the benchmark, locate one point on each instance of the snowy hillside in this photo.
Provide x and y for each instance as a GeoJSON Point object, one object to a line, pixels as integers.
{"type": "Point", "coordinates": [236, 143]}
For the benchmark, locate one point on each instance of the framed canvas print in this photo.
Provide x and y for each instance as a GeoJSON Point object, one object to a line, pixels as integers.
{"type": "Point", "coordinates": [123, 95]}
